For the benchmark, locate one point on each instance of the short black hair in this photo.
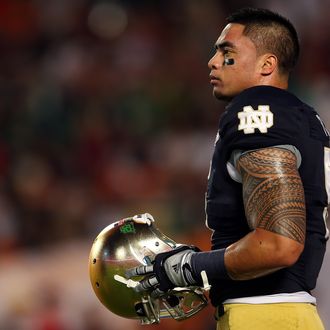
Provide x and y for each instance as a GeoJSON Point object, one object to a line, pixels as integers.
{"type": "Point", "coordinates": [270, 32]}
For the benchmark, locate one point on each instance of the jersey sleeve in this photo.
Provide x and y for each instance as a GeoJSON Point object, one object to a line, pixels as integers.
{"type": "Point", "coordinates": [236, 154]}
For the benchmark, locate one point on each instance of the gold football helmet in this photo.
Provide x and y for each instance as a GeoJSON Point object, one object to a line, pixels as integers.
{"type": "Point", "coordinates": [126, 244]}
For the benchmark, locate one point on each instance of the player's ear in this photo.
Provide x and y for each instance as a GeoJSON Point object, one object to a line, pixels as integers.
{"type": "Point", "coordinates": [268, 63]}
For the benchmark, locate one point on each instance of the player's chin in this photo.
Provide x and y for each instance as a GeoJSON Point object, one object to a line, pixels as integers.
{"type": "Point", "coordinates": [221, 95]}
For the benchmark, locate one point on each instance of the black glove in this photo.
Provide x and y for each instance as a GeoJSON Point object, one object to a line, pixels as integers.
{"type": "Point", "coordinates": [169, 270]}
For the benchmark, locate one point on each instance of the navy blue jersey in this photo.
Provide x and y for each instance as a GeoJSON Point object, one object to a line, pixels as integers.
{"type": "Point", "coordinates": [260, 117]}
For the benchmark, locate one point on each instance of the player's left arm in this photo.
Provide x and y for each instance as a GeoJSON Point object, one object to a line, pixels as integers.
{"type": "Point", "coordinates": [274, 204]}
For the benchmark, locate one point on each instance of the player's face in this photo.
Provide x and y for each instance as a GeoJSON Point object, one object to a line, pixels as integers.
{"type": "Point", "coordinates": [228, 80]}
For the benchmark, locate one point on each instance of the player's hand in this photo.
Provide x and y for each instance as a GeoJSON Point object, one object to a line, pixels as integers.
{"type": "Point", "coordinates": [169, 270]}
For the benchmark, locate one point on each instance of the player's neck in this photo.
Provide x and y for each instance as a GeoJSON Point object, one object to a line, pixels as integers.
{"type": "Point", "coordinates": [279, 82]}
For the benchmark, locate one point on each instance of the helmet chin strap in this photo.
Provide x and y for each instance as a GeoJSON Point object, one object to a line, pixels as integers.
{"type": "Point", "coordinates": [128, 283]}
{"type": "Point", "coordinates": [206, 284]}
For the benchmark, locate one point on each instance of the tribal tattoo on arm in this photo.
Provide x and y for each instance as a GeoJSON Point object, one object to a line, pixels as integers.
{"type": "Point", "coordinates": [273, 193]}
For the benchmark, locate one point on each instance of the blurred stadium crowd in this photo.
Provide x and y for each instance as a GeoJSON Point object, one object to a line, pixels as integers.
{"type": "Point", "coordinates": [105, 112]}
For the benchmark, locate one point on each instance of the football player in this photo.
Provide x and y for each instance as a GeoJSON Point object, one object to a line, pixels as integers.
{"type": "Point", "coordinates": [268, 187]}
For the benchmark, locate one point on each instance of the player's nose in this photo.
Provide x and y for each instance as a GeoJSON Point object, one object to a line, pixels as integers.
{"type": "Point", "coordinates": [214, 62]}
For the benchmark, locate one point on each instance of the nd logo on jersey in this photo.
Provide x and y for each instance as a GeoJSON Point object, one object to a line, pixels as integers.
{"type": "Point", "coordinates": [251, 119]}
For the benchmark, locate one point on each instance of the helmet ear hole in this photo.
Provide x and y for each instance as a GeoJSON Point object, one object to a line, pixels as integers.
{"type": "Point", "coordinates": [97, 284]}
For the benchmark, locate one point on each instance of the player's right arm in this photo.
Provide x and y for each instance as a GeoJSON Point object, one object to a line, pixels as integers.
{"type": "Point", "coordinates": [275, 210]}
